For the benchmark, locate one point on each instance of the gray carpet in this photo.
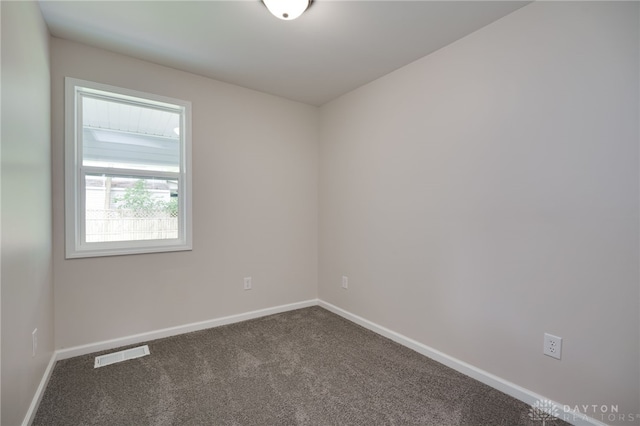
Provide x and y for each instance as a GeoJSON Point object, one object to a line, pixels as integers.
{"type": "Point", "coordinates": [304, 367]}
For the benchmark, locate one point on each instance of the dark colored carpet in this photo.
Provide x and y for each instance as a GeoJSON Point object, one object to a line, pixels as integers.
{"type": "Point", "coordinates": [304, 367]}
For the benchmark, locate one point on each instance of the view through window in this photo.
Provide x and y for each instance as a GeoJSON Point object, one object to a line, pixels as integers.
{"type": "Point", "coordinates": [130, 182]}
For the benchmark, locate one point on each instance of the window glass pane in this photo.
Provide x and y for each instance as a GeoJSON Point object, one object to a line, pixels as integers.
{"type": "Point", "coordinates": [121, 208]}
{"type": "Point", "coordinates": [122, 135]}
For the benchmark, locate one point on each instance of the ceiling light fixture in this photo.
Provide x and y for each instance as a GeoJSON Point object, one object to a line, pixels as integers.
{"type": "Point", "coordinates": [287, 9]}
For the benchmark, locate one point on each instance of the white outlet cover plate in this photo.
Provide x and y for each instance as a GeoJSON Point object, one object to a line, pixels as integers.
{"type": "Point", "coordinates": [34, 341]}
{"type": "Point", "coordinates": [552, 346]}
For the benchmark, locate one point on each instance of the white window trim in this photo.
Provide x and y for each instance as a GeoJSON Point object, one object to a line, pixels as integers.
{"type": "Point", "coordinates": [74, 181]}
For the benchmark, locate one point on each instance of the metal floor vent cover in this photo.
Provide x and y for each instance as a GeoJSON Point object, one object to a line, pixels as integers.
{"type": "Point", "coordinates": [125, 355]}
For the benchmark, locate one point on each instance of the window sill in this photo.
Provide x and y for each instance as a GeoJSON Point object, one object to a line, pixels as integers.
{"type": "Point", "coordinates": [118, 250]}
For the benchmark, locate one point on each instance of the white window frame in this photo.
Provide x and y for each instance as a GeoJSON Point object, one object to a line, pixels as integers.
{"type": "Point", "coordinates": [75, 172]}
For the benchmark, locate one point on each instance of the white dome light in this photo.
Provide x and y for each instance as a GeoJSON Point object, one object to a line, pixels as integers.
{"type": "Point", "coordinates": [286, 9]}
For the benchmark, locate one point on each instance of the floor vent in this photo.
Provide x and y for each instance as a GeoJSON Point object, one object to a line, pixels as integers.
{"type": "Point", "coordinates": [132, 353]}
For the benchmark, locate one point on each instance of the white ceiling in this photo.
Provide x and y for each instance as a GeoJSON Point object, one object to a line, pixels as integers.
{"type": "Point", "coordinates": [333, 48]}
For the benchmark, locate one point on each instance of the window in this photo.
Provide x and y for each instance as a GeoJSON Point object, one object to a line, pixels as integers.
{"type": "Point", "coordinates": [128, 171]}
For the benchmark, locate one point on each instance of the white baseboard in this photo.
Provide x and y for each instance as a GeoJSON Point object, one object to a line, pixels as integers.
{"type": "Point", "coordinates": [511, 389]}
{"type": "Point", "coordinates": [35, 402]}
{"type": "Point", "coordinates": [181, 329]}
{"type": "Point", "coordinates": [485, 377]}
{"type": "Point", "coordinates": [151, 335]}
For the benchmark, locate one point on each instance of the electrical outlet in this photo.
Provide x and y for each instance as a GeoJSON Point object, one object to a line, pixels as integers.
{"type": "Point", "coordinates": [34, 341]}
{"type": "Point", "coordinates": [552, 345]}
{"type": "Point", "coordinates": [247, 283]}
{"type": "Point", "coordinates": [345, 282]}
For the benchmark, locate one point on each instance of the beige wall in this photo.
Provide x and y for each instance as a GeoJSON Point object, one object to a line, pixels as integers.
{"type": "Point", "coordinates": [488, 193]}
{"type": "Point", "coordinates": [254, 209]}
{"type": "Point", "coordinates": [27, 293]}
